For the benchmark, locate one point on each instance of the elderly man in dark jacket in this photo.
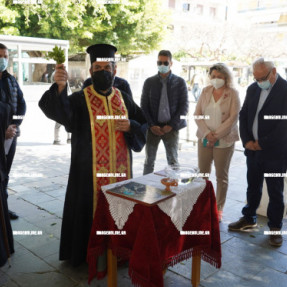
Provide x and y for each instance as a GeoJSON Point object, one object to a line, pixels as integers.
{"type": "Point", "coordinates": [263, 129]}
{"type": "Point", "coordinates": [164, 101]}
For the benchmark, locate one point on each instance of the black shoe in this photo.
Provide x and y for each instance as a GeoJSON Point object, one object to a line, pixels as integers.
{"type": "Point", "coordinates": [241, 225]}
{"type": "Point", "coordinates": [275, 239]}
{"type": "Point", "coordinates": [12, 215]}
{"type": "Point", "coordinates": [56, 142]}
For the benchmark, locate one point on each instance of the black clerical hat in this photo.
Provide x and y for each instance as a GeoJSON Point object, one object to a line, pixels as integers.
{"type": "Point", "coordinates": [102, 52]}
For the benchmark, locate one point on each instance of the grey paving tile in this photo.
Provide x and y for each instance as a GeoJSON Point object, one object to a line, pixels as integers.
{"type": "Point", "coordinates": [184, 269]}
{"type": "Point", "coordinates": [37, 215]}
{"type": "Point", "coordinates": [53, 260]}
{"type": "Point", "coordinates": [78, 274]}
{"type": "Point", "coordinates": [51, 187]}
{"type": "Point", "coordinates": [21, 225]}
{"type": "Point", "coordinates": [47, 249]}
{"type": "Point", "coordinates": [11, 283]}
{"type": "Point", "coordinates": [54, 206]}
{"type": "Point", "coordinates": [60, 180]}
{"type": "Point", "coordinates": [269, 277]}
{"type": "Point", "coordinates": [170, 280]}
{"type": "Point", "coordinates": [243, 268]}
{"type": "Point", "coordinates": [22, 207]}
{"type": "Point", "coordinates": [50, 225]}
{"type": "Point", "coordinates": [101, 283]}
{"type": "Point", "coordinates": [27, 263]}
{"type": "Point", "coordinates": [17, 181]}
{"type": "Point", "coordinates": [223, 279]}
{"type": "Point", "coordinates": [224, 236]}
{"type": "Point", "coordinates": [56, 192]}
{"type": "Point", "coordinates": [62, 198]}
{"type": "Point", "coordinates": [19, 188]}
{"type": "Point", "coordinates": [11, 192]}
{"type": "Point", "coordinates": [174, 280]}
{"type": "Point", "coordinates": [19, 250]}
{"type": "Point", "coordinates": [252, 252]}
{"type": "Point", "coordinates": [45, 279]}
{"type": "Point", "coordinates": [4, 278]}
{"type": "Point", "coordinates": [37, 183]}
{"type": "Point", "coordinates": [37, 198]}
{"type": "Point", "coordinates": [28, 212]}
{"type": "Point", "coordinates": [36, 242]}
{"type": "Point", "coordinates": [282, 249]}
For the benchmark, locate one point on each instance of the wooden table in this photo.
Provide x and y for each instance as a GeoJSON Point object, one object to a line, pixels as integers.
{"type": "Point", "coordinates": [153, 243]}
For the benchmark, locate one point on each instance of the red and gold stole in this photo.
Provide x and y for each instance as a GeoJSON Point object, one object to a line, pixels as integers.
{"type": "Point", "coordinates": [110, 152]}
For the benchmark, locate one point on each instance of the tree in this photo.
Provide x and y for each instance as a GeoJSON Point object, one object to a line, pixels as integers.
{"type": "Point", "coordinates": [133, 26]}
{"type": "Point", "coordinates": [227, 42]}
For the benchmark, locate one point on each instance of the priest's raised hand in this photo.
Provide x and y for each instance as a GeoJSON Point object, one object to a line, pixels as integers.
{"type": "Point", "coordinates": [61, 77]}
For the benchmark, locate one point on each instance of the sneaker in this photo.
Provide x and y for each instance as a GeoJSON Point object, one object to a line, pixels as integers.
{"type": "Point", "coordinates": [241, 225]}
{"type": "Point", "coordinates": [69, 141]}
{"type": "Point", "coordinates": [275, 239]}
{"type": "Point", "coordinates": [220, 215]}
{"type": "Point", "coordinates": [57, 142]}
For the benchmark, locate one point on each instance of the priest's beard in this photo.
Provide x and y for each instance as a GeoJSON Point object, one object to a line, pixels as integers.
{"type": "Point", "coordinates": [103, 81]}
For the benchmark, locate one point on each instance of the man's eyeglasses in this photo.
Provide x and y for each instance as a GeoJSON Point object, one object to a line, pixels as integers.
{"type": "Point", "coordinates": [263, 79]}
{"type": "Point", "coordinates": [159, 63]}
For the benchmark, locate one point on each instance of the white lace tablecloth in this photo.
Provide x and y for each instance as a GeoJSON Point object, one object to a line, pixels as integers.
{"type": "Point", "coordinates": [177, 208]}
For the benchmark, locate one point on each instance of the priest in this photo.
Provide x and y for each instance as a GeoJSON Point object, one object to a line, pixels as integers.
{"type": "Point", "coordinates": [106, 125]}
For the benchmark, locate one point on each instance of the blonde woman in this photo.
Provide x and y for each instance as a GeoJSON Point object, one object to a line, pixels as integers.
{"type": "Point", "coordinates": [219, 107]}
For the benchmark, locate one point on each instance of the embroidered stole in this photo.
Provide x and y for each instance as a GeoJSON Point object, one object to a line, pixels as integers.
{"type": "Point", "coordinates": [109, 148]}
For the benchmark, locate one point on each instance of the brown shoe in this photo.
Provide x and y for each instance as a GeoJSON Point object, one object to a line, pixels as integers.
{"type": "Point", "coordinates": [275, 239]}
{"type": "Point", "coordinates": [241, 225]}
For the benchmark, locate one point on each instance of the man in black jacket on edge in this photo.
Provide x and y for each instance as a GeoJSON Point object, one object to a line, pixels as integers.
{"type": "Point", "coordinates": [6, 235]}
{"type": "Point", "coordinates": [10, 92]}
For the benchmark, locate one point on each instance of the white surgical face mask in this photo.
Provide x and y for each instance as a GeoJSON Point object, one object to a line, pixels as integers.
{"type": "Point", "coordinates": [217, 83]}
{"type": "Point", "coordinates": [3, 64]}
{"type": "Point", "coordinates": [264, 85]}
{"type": "Point", "coordinates": [163, 69]}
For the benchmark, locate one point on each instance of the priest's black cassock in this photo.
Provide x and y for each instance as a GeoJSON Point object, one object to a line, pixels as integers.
{"type": "Point", "coordinates": [6, 236]}
{"type": "Point", "coordinates": [73, 113]}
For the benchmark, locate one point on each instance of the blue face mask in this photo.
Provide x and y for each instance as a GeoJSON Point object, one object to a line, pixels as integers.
{"type": "Point", "coordinates": [163, 69]}
{"type": "Point", "coordinates": [265, 85]}
{"type": "Point", "coordinates": [3, 64]}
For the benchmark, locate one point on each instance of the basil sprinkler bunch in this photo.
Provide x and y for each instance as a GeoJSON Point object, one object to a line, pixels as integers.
{"type": "Point", "coordinates": [57, 55]}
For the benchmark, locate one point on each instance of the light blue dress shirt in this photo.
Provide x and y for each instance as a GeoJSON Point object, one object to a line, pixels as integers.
{"type": "Point", "coordinates": [263, 96]}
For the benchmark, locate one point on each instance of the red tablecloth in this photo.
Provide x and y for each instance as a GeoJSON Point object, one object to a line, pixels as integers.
{"type": "Point", "coordinates": [152, 242]}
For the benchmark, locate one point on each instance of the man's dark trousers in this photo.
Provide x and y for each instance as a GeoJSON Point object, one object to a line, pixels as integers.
{"type": "Point", "coordinates": [257, 166]}
{"type": "Point", "coordinates": [9, 161]}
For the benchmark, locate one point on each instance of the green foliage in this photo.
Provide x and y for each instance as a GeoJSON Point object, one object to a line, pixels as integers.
{"type": "Point", "coordinates": [133, 26]}
{"type": "Point", "coordinates": [57, 55]}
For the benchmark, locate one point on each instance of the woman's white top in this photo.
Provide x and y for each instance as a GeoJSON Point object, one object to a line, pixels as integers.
{"type": "Point", "coordinates": [213, 119]}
